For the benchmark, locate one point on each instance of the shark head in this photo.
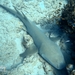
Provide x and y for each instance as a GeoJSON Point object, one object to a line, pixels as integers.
{"type": "Point", "coordinates": [52, 54]}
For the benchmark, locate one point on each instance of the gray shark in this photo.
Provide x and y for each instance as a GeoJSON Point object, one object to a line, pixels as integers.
{"type": "Point", "coordinates": [47, 49]}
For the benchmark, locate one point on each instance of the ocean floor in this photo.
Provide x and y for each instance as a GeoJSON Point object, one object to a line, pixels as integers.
{"type": "Point", "coordinates": [14, 38]}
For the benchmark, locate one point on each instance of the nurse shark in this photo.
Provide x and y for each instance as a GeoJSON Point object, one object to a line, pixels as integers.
{"type": "Point", "coordinates": [47, 49]}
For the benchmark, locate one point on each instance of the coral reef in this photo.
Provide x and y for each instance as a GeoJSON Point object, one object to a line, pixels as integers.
{"type": "Point", "coordinates": [67, 24]}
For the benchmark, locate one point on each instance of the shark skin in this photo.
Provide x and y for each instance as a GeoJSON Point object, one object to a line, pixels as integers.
{"type": "Point", "coordinates": [47, 49]}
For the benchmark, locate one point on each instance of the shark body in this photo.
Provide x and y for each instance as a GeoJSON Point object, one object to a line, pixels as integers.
{"type": "Point", "coordinates": [47, 49]}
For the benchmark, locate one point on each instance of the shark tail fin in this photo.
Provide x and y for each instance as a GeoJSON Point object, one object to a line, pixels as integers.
{"type": "Point", "coordinates": [17, 11]}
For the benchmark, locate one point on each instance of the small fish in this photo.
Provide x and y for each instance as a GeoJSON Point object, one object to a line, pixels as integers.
{"type": "Point", "coordinates": [47, 49]}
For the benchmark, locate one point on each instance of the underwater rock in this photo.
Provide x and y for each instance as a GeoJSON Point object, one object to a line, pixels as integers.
{"type": "Point", "coordinates": [67, 24]}
{"type": "Point", "coordinates": [73, 72]}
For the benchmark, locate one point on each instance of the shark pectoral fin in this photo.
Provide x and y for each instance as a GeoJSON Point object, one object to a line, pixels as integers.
{"type": "Point", "coordinates": [29, 51]}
